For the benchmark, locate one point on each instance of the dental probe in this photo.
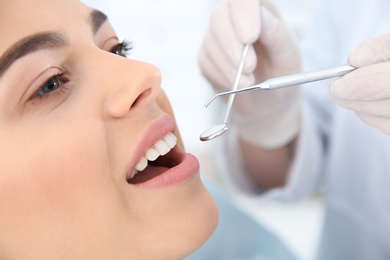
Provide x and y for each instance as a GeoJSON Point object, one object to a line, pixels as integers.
{"type": "Point", "coordinates": [292, 80]}
{"type": "Point", "coordinates": [221, 128]}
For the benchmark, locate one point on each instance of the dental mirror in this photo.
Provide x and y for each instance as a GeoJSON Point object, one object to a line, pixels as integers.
{"type": "Point", "coordinates": [219, 129]}
{"type": "Point", "coordinates": [214, 131]}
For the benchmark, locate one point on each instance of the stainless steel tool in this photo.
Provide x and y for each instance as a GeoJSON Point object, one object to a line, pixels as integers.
{"type": "Point", "coordinates": [221, 128]}
{"type": "Point", "coordinates": [271, 84]}
{"type": "Point", "coordinates": [292, 80]}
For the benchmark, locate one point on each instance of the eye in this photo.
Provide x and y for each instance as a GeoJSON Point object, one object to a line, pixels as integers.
{"type": "Point", "coordinates": [122, 49]}
{"type": "Point", "coordinates": [54, 84]}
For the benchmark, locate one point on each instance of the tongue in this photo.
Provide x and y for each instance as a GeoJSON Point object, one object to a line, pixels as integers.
{"type": "Point", "coordinates": [149, 173]}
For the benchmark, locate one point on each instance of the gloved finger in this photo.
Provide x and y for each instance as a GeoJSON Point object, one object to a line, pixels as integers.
{"type": "Point", "coordinates": [371, 51]}
{"type": "Point", "coordinates": [378, 122]}
{"type": "Point", "coordinates": [216, 67]}
{"type": "Point", "coordinates": [366, 83]}
{"type": "Point", "coordinates": [246, 19]}
{"type": "Point", "coordinates": [221, 27]}
{"type": "Point", "coordinates": [212, 72]}
{"type": "Point", "coordinates": [375, 108]}
{"type": "Point", "coordinates": [227, 41]}
{"type": "Point", "coordinates": [214, 64]}
{"type": "Point", "coordinates": [275, 34]}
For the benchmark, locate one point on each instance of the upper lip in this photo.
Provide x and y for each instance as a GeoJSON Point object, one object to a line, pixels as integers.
{"type": "Point", "coordinates": [156, 131]}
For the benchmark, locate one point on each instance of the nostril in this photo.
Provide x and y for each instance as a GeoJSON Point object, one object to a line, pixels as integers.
{"type": "Point", "coordinates": [141, 97]}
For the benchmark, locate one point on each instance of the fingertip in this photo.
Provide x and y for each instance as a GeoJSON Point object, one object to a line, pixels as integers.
{"type": "Point", "coordinates": [371, 51]}
{"type": "Point", "coordinates": [247, 80]}
{"type": "Point", "coordinates": [249, 32]}
{"type": "Point", "coordinates": [362, 55]}
{"type": "Point", "coordinates": [250, 61]}
{"type": "Point", "coordinates": [269, 21]}
{"type": "Point", "coordinates": [246, 19]}
{"type": "Point", "coordinates": [336, 89]}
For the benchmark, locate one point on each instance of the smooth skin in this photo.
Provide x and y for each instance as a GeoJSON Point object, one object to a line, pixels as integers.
{"type": "Point", "coordinates": [64, 155]}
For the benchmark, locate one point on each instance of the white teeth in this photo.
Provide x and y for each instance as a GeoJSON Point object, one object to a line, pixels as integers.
{"type": "Point", "coordinates": [141, 164]}
{"type": "Point", "coordinates": [151, 154]}
{"type": "Point", "coordinates": [133, 173]}
{"type": "Point", "coordinates": [170, 139]}
{"type": "Point", "coordinates": [161, 147]}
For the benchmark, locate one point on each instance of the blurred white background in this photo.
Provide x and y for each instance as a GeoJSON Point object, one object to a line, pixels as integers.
{"type": "Point", "coordinates": [168, 33]}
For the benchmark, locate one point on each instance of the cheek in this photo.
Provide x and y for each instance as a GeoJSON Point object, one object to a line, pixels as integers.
{"type": "Point", "coordinates": [58, 181]}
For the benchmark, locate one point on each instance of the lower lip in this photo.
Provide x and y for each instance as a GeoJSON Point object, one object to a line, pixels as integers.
{"type": "Point", "coordinates": [181, 173]}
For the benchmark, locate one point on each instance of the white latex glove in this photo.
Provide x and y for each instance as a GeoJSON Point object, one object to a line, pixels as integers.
{"type": "Point", "coordinates": [268, 119]}
{"type": "Point", "coordinates": [366, 90]}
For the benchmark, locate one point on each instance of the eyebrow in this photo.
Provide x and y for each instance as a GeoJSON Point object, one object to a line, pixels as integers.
{"type": "Point", "coordinates": [97, 19]}
{"type": "Point", "coordinates": [43, 41]}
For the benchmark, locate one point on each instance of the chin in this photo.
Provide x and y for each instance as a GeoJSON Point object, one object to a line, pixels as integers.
{"type": "Point", "coordinates": [187, 230]}
{"type": "Point", "coordinates": [202, 225]}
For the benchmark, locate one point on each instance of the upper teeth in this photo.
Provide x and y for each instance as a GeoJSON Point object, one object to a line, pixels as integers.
{"type": "Point", "coordinates": [161, 147]}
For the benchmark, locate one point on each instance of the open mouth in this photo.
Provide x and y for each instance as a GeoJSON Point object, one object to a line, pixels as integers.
{"type": "Point", "coordinates": [157, 160]}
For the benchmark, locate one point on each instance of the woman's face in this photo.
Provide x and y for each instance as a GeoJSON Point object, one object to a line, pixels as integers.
{"type": "Point", "coordinates": [76, 118]}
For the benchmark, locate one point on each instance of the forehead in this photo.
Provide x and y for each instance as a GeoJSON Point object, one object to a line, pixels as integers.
{"type": "Point", "coordinates": [20, 18]}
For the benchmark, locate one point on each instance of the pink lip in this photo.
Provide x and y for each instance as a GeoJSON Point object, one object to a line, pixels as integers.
{"type": "Point", "coordinates": [187, 169]}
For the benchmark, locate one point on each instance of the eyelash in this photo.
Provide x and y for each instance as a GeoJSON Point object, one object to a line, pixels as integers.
{"type": "Point", "coordinates": [48, 89]}
{"type": "Point", "coordinates": [121, 49]}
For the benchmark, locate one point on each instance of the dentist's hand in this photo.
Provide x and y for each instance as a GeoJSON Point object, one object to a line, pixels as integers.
{"type": "Point", "coordinates": [366, 90]}
{"type": "Point", "coordinates": [268, 119]}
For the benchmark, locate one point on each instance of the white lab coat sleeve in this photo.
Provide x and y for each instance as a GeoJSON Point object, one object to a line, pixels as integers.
{"type": "Point", "coordinates": [304, 174]}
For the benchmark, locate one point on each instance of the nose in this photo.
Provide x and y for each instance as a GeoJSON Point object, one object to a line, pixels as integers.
{"type": "Point", "coordinates": [131, 84]}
